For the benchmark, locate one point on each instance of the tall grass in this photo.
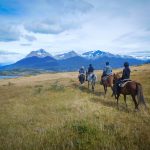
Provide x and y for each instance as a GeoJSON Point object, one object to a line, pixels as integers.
{"type": "Point", "coordinates": [62, 115]}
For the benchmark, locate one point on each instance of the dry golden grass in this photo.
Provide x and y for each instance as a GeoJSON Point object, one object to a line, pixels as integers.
{"type": "Point", "coordinates": [51, 111]}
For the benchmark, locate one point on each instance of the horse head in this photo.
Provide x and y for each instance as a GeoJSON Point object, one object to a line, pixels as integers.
{"type": "Point", "coordinates": [116, 76]}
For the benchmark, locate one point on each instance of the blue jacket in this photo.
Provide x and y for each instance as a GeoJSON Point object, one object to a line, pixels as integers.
{"type": "Point", "coordinates": [107, 70]}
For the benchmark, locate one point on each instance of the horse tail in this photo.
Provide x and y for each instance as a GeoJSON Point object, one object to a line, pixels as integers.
{"type": "Point", "coordinates": [140, 95]}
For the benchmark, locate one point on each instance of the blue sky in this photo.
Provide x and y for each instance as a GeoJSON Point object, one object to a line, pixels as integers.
{"type": "Point", "coordinates": [116, 26]}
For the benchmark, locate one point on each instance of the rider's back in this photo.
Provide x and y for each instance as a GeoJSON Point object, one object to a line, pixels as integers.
{"type": "Point", "coordinates": [81, 71]}
{"type": "Point", "coordinates": [126, 73]}
{"type": "Point", "coordinates": [90, 69]}
{"type": "Point", "coordinates": [107, 70]}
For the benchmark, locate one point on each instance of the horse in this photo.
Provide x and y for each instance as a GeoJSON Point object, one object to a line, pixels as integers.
{"type": "Point", "coordinates": [132, 88]}
{"type": "Point", "coordinates": [91, 80]}
{"type": "Point", "coordinates": [82, 78]}
{"type": "Point", "coordinates": [107, 81]}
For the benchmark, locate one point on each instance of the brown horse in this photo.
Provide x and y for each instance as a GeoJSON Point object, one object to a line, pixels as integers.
{"type": "Point", "coordinates": [130, 88]}
{"type": "Point", "coordinates": [107, 81]}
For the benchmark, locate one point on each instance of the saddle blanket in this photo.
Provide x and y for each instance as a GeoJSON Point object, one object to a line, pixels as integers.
{"type": "Point", "coordinates": [91, 77]}
{"type": "Point", "coordinates": [106, 77]}
{"type": "Point", "coordinates": [124, 82]}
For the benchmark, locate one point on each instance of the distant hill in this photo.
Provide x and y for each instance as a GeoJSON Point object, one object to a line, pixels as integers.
{"type": "Point", "coordinates": [70, 61]}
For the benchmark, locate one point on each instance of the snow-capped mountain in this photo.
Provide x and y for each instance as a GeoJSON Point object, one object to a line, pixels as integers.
{"type": "Point", "coordinates": [66, 55]}
{"type": "Point", "coordinates": [143, 55]}
{"type": "Point", "coordinates": [71, 61]}
{"type": "Point", "coordinates": [96, 54]}
{"type": "Point", "coordinates": [101, 54]}
{"type": "Point", "coordinates": [41, 53]}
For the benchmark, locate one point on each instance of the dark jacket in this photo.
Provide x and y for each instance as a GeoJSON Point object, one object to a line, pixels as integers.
{"type": "Point", "coordinates": [90, 69]}
{"type": "Point", "coordinates": [126, 73]}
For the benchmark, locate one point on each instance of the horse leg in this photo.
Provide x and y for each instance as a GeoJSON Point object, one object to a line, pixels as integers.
{"type": "Point", "coordinates": [88, 84]}
{"type": "Point", "coordinates": [125, 100]}
{"type": "Point", "coordinates": [93, 87]}
{"type": "Point", "coordinates": [118, 100]}
{"type": "Point", "coordinates": [112, 91]}
{"type": "Point", "coordinates": [105, 89]}
{"type": "Point", "coordinates": [135, 102]}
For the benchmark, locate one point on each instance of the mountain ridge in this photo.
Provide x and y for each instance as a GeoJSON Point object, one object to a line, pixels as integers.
{"type": "Point", "coordinates": [71, 61]}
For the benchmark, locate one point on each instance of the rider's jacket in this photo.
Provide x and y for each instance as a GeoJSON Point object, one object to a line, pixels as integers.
{"type": "Point", "coordinates": [90, 70]}
{"type": "Point", "coordinates": [107, 70]}
{"type": "Point", "coordinates": [126, 73]}
{"type": "Point", "coordinates": [81, 71]}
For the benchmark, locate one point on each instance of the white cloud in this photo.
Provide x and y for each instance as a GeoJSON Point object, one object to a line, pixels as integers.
{"type": "Point", "coordinates": [9, 57]}
{"type": "Point", "coordinates": [118, 26]}
{"type": "Point", "coordinates": [9, 33]}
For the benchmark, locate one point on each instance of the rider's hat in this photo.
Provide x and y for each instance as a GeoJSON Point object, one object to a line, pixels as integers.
{"type": "Point", "coordinates": [126, 64]}
{"type": "Point", "coordinates": [82, 67]}
{"type": "Point", "coordinates": [90, 64]}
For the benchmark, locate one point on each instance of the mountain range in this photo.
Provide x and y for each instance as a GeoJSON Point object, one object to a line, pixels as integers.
{"type": "Point", "coordinates": [71, 61]}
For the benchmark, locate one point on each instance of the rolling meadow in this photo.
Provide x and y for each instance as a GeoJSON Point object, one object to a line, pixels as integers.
{"type": "Point", "coordinates": [53, 111]}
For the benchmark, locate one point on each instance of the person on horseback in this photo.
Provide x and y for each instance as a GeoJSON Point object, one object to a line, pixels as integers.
{"type": "Point", "coordinates": [125, 86]}
{"type": "Point", "coordinates": [82, 70]}
{"type": "Point", "coordinates": [91, 77]}
{"type": "Point", "coordinates": [107, 71]}
{"type": "Point", "coordinates": [126, 72]}
{"type": "Point", "coordinates": [90, 69]}
{"type": "Point", "coordinates": [81, 75]}
{"type": "Point", "coordinates": [125, 77]}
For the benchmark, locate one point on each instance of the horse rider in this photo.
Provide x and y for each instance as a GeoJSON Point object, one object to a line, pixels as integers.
{"type": "Point", "coordinates": [107, 71]}
{"type": "Point", "coordinates": [82, 70]}
{"type": "Point", "coordinates": [90, 69]}
{"type": "Point", "coordinates": [126, 72]}
{"type": "Point", "coordinates": [81, 75]}
{"type": "Point", "coordinates": [125, 77]}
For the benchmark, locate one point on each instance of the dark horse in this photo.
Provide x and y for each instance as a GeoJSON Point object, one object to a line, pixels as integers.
{"type": "Point", "coordinates": [130, 88]}
{"type": "Point", "coordinates": [82, 78]}
{"type": "Point", "coordinates": [107, 81]}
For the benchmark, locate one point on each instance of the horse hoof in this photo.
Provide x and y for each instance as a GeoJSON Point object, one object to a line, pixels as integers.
{"type": "Point", "coordinates": [136, 109]}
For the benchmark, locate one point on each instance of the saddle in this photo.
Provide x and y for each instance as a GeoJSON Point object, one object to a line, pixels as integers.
{"type": "Point", "coordinates": [124, 82]}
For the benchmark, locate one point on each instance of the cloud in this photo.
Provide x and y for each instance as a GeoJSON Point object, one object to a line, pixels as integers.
{"type": "Point", "coordinates": [9, 57]}
{"type": "Point", "coordinates": [45, 28]}
{"type": "Point", "coordinates": [29, 38]}
{"type": "Point", "coordinates": [50, 27]}
{"type": "Point", "coordinates": [9, 33]}
{"type": "Point", "coordinates": [25, 44]}
{"type": "Point", "coordinates": [7, 53]}
{"type": "Point", "coordinates": [134, 37]}
{"type": "Point", "coordinates": [117, 26]}
{"type": "Point", "coordinates": [57, 16]}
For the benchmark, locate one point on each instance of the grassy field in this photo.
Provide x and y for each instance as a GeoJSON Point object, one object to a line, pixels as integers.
{"type": "Point", "coordinates": [51, 111]}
